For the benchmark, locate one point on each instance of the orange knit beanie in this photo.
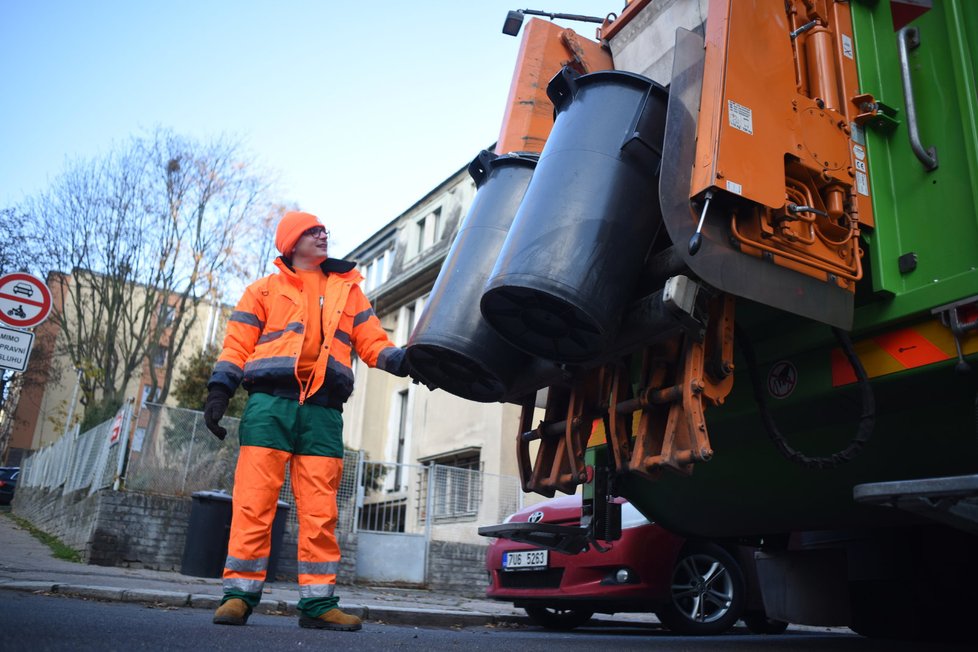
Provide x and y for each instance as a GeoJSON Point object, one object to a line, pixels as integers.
{"type": "Point", "coordinates": [290, 230]}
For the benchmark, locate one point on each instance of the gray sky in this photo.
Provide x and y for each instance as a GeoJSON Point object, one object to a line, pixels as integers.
{"type": "Point", "coordinates": [358, 108]}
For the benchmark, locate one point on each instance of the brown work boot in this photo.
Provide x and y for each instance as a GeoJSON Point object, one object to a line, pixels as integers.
{"type": "Point", "coordinates": [233, 612]}
{"type": "Point", "coordinates": [333, 619]}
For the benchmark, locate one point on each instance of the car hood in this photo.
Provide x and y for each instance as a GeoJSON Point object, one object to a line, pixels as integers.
{"type": "Point", "coordinates": [567, 509]}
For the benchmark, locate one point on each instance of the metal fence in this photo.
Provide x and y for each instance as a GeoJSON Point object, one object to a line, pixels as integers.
{"type": "Point", "coordinates": [400, 498]}
{"type": "Point", "coordinates": [172, 453]}
{"type": "Point", "coordinates": [90, 460]}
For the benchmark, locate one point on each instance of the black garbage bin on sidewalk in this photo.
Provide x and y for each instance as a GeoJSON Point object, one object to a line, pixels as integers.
{"type": "Point", "coordinates": [209, 528]}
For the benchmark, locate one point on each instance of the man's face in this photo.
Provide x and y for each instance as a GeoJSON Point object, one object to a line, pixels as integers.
{"type": "Point", "coordinates": [312, 243]}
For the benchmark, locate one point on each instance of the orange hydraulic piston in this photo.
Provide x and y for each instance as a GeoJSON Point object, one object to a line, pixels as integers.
{"type": "Point", "coordinates": [545, 49]}
{"type": "Point", "coordinates": [821, 67]}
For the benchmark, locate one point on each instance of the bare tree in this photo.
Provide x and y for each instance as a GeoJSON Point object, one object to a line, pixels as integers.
{"type": "Point", "coordinates": [141, 237]}
{"type": "Point", "coordinates": [17, 244]}
{"type": "Point", "coordinates": [18, 253]}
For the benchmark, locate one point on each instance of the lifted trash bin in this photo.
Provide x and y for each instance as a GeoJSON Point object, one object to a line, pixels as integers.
{"type": "Point", "coordinates": [209, 528]}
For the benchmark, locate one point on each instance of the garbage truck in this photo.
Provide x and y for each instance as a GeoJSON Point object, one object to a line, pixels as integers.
{"type": "Point", "coordinates": [725, 256]}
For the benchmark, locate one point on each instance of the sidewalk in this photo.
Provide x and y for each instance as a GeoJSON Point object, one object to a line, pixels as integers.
{"type": "Point", "coordinates": [27, 565]}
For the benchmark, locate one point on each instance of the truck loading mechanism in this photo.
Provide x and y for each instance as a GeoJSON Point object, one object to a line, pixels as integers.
{"type": "Point", "coordinates": [818, 172]}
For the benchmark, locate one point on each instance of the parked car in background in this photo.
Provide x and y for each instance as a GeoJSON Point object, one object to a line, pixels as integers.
{"type": "Point", "coordinates": [694, 587]}
{"type": "Point", "coordinates": [8, 483]}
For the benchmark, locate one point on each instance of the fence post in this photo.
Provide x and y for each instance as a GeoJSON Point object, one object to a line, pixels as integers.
{"type": "Point", "coordinates": [358, 487]}
{"type": "Point", "coordinates": [429, 516]}
{"type": "Point", "coordinates": [104, 444]}
{"type": "Point", "coordinates": [186, 467]}
{"type": "Point", "coordinates": [123, 445]}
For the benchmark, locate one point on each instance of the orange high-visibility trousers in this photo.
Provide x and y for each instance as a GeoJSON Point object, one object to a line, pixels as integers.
{"type": "Point", "coordinates": [258, 480]}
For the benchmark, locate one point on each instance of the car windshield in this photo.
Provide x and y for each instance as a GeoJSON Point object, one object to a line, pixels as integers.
{"type": "Point", "coordinates": [8, 474]}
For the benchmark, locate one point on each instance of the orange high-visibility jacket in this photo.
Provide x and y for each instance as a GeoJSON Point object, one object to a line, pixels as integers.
{"type": "Point", "coordinates": [265, 333]}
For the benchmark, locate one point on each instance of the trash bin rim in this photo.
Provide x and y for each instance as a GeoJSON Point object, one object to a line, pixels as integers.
{"type": "Point", "coordinates": [213, 494]}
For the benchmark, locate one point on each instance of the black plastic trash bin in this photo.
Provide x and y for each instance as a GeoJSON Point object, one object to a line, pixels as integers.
{"type": "Point", "coordinates": [580, 238]}
{"type": "Point", "coordinates": [452, 346]}
{"type": "Point", "coordinates": [209, 528]}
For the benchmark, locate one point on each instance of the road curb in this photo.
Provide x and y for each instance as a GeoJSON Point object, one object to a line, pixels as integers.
{"type": "Point", "coordinates": [269, 606]}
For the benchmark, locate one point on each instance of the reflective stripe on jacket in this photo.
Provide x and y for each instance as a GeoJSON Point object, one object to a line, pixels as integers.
{"type": "Point", "coordinates": [265, 333]}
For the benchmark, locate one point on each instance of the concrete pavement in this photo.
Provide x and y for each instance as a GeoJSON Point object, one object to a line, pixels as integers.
{"type": "Point", "coordinates": [26, 564]}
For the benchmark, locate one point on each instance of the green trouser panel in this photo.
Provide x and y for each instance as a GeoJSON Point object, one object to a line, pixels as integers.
{"type": "Point", "coordinates": [281, 423]}
{"type": "Point", "coordinates": [315, 607]}
{"type": "Point", "coordinates": [312, 607]}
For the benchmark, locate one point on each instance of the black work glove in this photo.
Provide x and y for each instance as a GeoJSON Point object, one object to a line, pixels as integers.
{"type": "Point", "coordinates": [401, 367]}
{"type": "Point", "coordinates": [214, 408]}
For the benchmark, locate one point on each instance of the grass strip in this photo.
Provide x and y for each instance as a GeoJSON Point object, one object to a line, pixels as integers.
{"type": "Point", "coordinates": [60, 550]}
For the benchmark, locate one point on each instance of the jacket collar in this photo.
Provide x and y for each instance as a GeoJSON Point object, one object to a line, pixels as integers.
{"type": "Point", "coordinates": [329, 266]}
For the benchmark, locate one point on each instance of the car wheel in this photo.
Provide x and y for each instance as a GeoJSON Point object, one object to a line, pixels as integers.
{"type": "Point", "coordinates": [758, 623]}
{"type": "Point", "coordinates": [707, 591]}
{"type": "Point", "coordinates": [556, 618]}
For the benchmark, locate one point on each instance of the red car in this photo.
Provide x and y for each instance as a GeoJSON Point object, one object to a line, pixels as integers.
{"type": "Point", "coordinates": [694, 587]}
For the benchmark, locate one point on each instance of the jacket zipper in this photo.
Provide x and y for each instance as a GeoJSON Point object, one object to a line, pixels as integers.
{"type": "Point", "coordinates": [302, 392]}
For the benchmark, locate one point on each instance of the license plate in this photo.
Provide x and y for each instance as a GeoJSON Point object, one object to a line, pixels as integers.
{"type": "Point", "coordinates": [525, 560]}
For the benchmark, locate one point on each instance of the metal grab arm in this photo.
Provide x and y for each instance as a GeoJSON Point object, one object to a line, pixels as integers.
{"type": "Point", "coordinates": [908, 39]}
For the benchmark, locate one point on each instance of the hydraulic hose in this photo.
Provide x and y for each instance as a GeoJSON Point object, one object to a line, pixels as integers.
{"type": "Point", "coordinates": [867, 419]}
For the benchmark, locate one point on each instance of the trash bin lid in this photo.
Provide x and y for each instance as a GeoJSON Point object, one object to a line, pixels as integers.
{"type": "Point", "coordinates": [211, 495]}
{"type": "Point", "coordinates": [226, 497]}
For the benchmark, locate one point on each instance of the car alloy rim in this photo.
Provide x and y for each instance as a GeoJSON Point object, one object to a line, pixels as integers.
{"type": "Point", "coordinates": [702, 588]}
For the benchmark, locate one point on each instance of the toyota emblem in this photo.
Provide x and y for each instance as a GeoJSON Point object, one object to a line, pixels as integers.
{"type": "Point", "coordinates": [535, 517]}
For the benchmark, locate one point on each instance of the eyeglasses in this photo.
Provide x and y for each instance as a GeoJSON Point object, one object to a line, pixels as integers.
{"type": "Point", "coordinates": [317, 232]}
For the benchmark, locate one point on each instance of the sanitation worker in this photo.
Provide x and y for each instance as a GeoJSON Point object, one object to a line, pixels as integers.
{"type": "Point", "coordinates": [289, 342]}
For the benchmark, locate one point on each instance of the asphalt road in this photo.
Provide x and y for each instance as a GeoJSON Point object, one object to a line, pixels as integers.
{"type": "Point", "coordinates": [41, 623]}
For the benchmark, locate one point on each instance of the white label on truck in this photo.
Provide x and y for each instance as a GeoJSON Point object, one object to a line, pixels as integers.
{"type": "Point", "coordinates": [859, 152]}
{"type": "Point", "coordinates": [735, 187]}
{"type": "Point", "coordinates": [862, 185]}
{"type": "Point", "coordinates": [857, 133]}
{"type": "Point", "coordinates": [740, 117]}
{"type": "Point", "coordinates": [861, 165]}
{"type": "Point", "coordinates": [847, 45]}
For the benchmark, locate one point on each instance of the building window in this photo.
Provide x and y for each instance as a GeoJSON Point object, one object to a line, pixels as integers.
{"type": "Point", "coordinates": [149, 395]}
{"type": "Point", "coordinates": [420, 230]}
{"type": "Point", "coordinates": [377, 271]}
{"type": "Point", "coordinates": [457, 485]}
{"type": "Point", "coordinates": [167, 314]}
{"type": "Point", "coordinates": [411, 316]}
{"type": "Point", "coordinates": [435, 218]}
{"type": "Point", "coordinates": [402, 406]}
{"type": "Point", "coordinates": [427, 230]}
{"type": "Point", "coordinates": [159, 356]}
{"type": "Point", "coordinates": [407, 320]}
